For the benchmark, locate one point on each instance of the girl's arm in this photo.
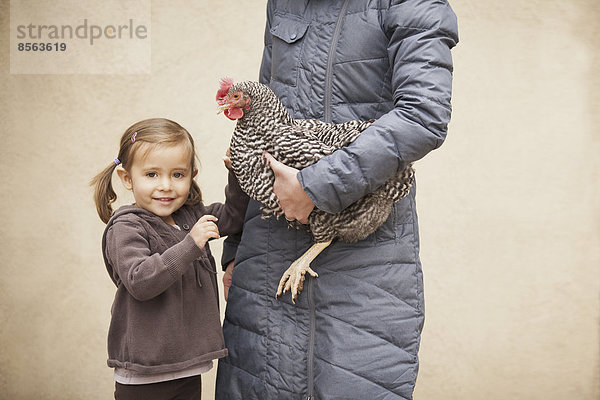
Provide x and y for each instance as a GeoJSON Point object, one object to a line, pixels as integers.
{"type": "Point", "coordinates": [143, 274]}
{"type": "Point", "coordinates": [231, 213]}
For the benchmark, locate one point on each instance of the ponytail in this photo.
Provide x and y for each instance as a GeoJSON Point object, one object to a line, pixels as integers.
{"type": "Point", "coordinates": [104, 194]}
{"type": "Point", "coordinates": [195, 195]}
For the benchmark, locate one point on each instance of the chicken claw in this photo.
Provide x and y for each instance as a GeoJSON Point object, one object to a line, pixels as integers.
{"type": "Point", "coordinates": [293, 277]}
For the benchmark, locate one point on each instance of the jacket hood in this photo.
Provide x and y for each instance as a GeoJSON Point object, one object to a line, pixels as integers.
{"type": "Point", "coordinates": [130, 209]}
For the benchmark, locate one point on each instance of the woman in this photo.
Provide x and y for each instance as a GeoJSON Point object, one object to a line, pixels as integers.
{"type": "Point", "coordinates": [354, 331]}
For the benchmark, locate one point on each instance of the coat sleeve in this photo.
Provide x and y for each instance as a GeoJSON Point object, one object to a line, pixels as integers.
{"type": "Point", "coordinates": [146, 275]}
{"type": "Point", "coordinates": [420, 34]}
{"type": "Point", "coordinates": [265, 66]}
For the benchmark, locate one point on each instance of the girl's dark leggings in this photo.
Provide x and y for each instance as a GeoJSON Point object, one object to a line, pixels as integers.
{"type": "Point", "coordinates": [179, 389]}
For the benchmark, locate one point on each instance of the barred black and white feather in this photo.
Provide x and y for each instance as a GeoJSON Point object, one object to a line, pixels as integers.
{"type": "Point", "coordinates": [267, 126]}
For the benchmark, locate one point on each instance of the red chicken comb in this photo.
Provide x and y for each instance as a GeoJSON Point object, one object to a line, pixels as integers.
{"type": "Point", "coordinates": [225, 84]}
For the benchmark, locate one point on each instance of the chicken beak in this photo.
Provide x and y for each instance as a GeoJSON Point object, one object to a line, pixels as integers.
{"type": "Point", "coordinates": [222, 108]}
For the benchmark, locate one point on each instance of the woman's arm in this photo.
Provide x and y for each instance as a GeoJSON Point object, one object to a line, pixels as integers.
{"type": "Point", "coordinates": [231, 243]}
{"type": "Point", "coordinates": [420, 34]}
{"type": "Point", "coordinates": [264, 75]}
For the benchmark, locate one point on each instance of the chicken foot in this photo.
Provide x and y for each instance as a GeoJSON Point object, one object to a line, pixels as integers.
{"type": "Point", "coordinates": [293, 277]}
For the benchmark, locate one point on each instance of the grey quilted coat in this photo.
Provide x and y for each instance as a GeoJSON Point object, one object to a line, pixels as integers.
{"type": "Point", "coordinates": [354, 332]}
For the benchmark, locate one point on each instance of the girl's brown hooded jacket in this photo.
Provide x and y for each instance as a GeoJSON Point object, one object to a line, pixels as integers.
{"type": "Point", "coordinates": [165, 315]}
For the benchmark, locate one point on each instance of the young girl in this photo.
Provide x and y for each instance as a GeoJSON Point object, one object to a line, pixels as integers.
{"type": "Point", "coordinates": [165, 328]}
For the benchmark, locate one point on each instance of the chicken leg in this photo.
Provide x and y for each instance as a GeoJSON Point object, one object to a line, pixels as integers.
{"type": "Point", "coordinates": [293, 277]}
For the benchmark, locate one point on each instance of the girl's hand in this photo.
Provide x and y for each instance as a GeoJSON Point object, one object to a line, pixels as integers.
{"type": "Point", "coordinates": [204, 230]}
{"type": "Point", "coordinates": [294, 202]}
{"type": "Point", "coordinates": [227, 277]}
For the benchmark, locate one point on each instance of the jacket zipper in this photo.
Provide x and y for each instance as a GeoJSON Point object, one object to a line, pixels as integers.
{"type": "Point", "coordinates": [329, 72]}
{"type": "Point", "coordinates": [311, 337]}
{"type": "Point", "coordinates": [327, 117]}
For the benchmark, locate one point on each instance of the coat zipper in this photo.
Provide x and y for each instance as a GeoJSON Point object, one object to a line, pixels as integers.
{"type": "Point", "coordinates": [327, 117]}
{"type": "Point", "coordinates": [329, 72]}
{"type": "Point", "coordinates": [311, 337]}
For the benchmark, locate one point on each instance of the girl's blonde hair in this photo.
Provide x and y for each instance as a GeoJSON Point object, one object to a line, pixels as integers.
{"type": "Point", "coordinates": [154, 131]}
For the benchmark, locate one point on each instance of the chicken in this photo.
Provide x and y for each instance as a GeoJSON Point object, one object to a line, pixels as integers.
{"type": "Point", "coordinates": [264, 125]}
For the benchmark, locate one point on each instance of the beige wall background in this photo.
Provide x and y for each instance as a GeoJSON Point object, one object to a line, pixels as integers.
{"type": "Point", "coordinates": [510, 222]}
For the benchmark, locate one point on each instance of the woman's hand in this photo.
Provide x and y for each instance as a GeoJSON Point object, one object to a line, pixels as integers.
{"type": "Point", "coordinates": [204, 229]}
{"type": "Point", "coordinates": [294, 202]}
{"type": "Point", "coordinates": [227, 160]}
{"type": "Point", "coordinates": [227, 277]}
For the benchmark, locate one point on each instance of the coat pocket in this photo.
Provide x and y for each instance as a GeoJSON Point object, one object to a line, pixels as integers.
{"type": "Point", "coordinates": [286, 50]}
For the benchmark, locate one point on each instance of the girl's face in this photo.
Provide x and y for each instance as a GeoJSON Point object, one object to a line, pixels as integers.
{"type": "Point", "coordinates": [160, 179]}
